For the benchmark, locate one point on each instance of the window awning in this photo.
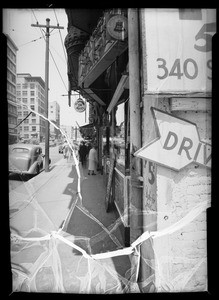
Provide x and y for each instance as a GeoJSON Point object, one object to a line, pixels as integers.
{"type": "Point", "coordinates": [90, 125]}
{"type": "Point", "coordinates": [123, 83]}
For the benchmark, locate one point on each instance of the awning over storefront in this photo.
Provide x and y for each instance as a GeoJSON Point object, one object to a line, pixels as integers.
{"type": "Point", "coordinates": [87, 131]}
{"type": "Point", "coordinates": [124, 83]}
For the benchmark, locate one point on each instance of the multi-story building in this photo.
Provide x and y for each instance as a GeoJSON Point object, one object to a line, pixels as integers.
{"type": "Point", "coordinates": [31, 94]}
{"type": "Point", "coordinates": [54, 116]}
{"type": "Point", "coordinates": [11, 91]}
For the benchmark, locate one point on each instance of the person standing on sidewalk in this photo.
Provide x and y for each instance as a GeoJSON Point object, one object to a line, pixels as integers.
{"type": "Point", "coordinates": [64, 149]}
{"type": "Point", "coordinates": [92, 160]}
{"type": "Point", "coordinates": [82, 152]}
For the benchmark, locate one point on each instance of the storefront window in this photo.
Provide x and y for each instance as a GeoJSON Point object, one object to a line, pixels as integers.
{"type": "Point", "coordinates": [119, 136]}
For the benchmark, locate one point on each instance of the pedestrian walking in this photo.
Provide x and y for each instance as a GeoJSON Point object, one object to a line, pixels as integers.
{"type": "Point", "coordinates": [64, 149]}
{"type": "Point", "coordinates": [92, 161]}
{"type": "Point", "coordinates": [82, 152]}
{"type": "Point", "coordinates": [67, 151]}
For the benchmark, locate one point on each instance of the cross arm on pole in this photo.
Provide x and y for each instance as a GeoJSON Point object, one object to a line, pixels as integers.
{"type": "Point", "coordinates": [50, 26]}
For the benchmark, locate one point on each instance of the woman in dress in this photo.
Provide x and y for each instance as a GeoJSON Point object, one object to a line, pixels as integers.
{"type": "Point", "coordinates": [92, 160]}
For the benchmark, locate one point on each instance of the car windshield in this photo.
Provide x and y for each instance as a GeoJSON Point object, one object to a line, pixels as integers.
{"type": "Point", "coordinates": [20, 150]}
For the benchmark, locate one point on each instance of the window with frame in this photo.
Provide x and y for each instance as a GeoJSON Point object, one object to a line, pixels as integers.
{"type": "Point", "coordinates": [33, 128]}
{"type": "Point", "coordinates": [24, 93]}
{"type": "Point", "coordinates": [26, 128]}
{"type": "Point", "coordinates": [32, 93]}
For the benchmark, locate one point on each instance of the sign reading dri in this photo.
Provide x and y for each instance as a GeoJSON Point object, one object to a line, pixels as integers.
{"type": "Point", "coordinates": [178, 143]}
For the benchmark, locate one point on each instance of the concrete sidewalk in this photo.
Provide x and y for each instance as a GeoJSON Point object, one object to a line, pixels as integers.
{"type": "Point", "coordinates": [85, 221]}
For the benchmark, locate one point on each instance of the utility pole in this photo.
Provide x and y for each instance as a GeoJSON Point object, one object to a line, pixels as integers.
{"type": "Point", "coordinates": [47, 34]}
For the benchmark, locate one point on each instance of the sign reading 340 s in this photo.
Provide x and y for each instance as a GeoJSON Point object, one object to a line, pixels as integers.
{"type": "Point", "coordinates": [179, 49]}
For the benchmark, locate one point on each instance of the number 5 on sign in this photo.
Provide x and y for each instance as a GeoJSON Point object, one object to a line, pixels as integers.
{"type": "Point", "coordinates": [203, 35]}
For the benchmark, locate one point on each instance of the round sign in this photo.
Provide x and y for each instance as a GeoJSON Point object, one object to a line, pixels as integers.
{"type": "Point", "coordinates": [117, 27]}
{"type": "Point", "coordinates": [80, 105]}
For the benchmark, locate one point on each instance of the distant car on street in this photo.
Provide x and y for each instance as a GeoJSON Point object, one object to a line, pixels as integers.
{"type": "Point", "coordinates": [61, 148]}
{"type": "Point", "coordinates": [25, 159]}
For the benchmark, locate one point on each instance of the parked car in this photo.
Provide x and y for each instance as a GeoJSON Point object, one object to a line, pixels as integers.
{"type": "Point", "coordinates": [25, 159]}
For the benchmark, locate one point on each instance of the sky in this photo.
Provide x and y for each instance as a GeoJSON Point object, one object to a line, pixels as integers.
{"type": "Point", "coordinates": [31, 54]}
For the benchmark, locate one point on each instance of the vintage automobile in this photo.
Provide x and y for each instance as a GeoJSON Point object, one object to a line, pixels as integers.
{"type": "Point", "coordinates": [60, 148]}
{"type": "Point", "coordinates": [25, 159]}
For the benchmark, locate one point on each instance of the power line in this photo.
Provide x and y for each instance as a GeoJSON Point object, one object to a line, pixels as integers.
{"type": "Point", "coordinates": [61, 37]}
{"type": "Point", "coordinates": [33, 40]}
{"type": "Point", "coordinates": [58, 69]}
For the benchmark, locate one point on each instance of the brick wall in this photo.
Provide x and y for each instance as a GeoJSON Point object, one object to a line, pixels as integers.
{"type": "Point", "coordinates": [181, 257]}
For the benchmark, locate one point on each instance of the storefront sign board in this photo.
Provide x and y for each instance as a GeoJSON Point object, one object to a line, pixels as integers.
{"type": "Point", "coordinates": [179, 49]}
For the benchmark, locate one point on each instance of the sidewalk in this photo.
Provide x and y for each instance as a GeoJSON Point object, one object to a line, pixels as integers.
{"type": "Point", "coordinates": [50, 201]}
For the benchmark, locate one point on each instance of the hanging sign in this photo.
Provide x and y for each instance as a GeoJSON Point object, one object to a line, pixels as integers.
{"type": "Point", "coordinates": [117, 27]}
{"type": "Point", "coordinates": [178, 143]}
{"type": "Point", "coordinates": [80, 105]}
{"type": "Point", "coordinates": [178, 46]}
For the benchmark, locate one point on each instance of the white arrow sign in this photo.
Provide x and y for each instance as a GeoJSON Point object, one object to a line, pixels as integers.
{"type": "Point", "coordinates": [177, 145]}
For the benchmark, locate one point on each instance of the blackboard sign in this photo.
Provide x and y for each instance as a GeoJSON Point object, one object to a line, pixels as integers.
{"type": "Point", "coordinates": [109, 184]}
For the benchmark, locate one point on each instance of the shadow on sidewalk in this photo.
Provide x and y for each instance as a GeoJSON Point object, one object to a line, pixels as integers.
{"type": "Point", "coordinates": [95, 230]}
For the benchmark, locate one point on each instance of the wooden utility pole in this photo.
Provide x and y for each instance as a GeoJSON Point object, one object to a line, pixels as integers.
{"type": "Point", "coordinates": [47, 34]}
{"type": "Point", "coordinates": [135, 123]}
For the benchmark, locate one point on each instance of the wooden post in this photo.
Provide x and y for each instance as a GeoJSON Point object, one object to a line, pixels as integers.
{"type": "Point", "coordinates": [47, 26]}
{"type": "Point", "coordinates": [135, 123]}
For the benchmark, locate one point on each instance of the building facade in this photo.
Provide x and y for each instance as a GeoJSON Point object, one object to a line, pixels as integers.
{"type": "Point", "coordinates": [31, 94]}
{"type": "Point", "coordinates": [54, 116]}
{"type": "Point", "coordinates": [11, 91]}
{"type": "Point", "coordinates": [150, 91]}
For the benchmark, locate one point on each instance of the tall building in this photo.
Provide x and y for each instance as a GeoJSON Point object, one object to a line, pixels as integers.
{"type": "Point", "coordinates": [54, 116]}
{"type": "Point", "coordinates": [31, 93]}
{"type": "Point", "coordinates": [11, 91]}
